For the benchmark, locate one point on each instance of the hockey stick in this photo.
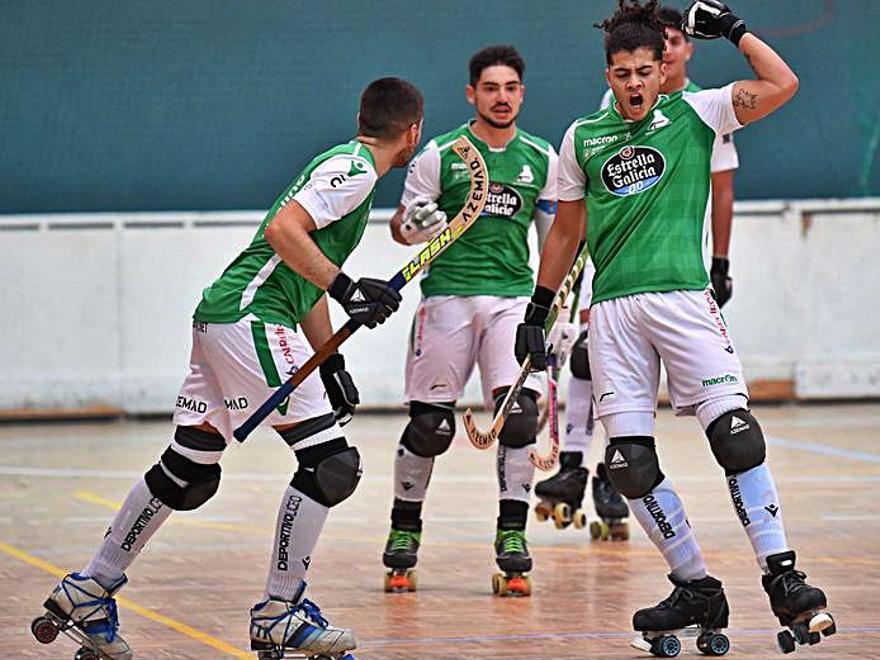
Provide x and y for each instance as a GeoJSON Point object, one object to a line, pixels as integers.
{"type": "Point", "coordinates": [557, 370]}
{"type": "Point", "coordinates": [484, 440]}
{"type": "Point", "coordinates": [548, 461]}
{"type": "Point", "coordinates": [473, 207]}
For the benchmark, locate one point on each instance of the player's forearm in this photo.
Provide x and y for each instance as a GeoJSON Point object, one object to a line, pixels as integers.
{"type": "Point", "coordinates": [722, 212]}
{"type": "Point", "coordinates": [316, 324]}
{"type": "Point", "coordinates": [560, 247]}
{"type": "Point", "coordinates": [297, 249]}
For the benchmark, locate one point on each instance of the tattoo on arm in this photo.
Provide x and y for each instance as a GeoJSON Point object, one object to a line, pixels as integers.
{"type": "Point", "coordinates": [744, 99]}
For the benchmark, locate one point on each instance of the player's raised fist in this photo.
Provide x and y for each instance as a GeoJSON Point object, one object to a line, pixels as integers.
{"type": "Point", "coordinates": [368, 301]}
{"type": "Point", "coordinates": [710, 19]}
{"type": "Point", "coordinates": [422, 221]}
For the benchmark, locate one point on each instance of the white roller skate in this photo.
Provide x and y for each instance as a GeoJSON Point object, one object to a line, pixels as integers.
{"type": "Point", "coordinates": [282, 629]}
{"type": "Point", "coordinates": [83, 610]}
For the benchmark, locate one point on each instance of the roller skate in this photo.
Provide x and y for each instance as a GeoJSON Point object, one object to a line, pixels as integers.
{"type": "Point", "coordinates": [694, 609]}
{"type": "Point", "coordinates": [562, 495]}
{"type": "Point", "coordinates": [512, 557]}
{"type": "Point", "coordinates": [401, 554]}
{"type": "Point", "coordinates": [296, 629]}
{"type": "Point", "coordinates": [83, 610]}
{"type": "Point", "coordinates": [610, 508]}
{"type": "Point", "coordinates": [798, 606]}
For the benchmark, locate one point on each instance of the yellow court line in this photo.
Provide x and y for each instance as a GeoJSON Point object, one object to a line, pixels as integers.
{"type": "Point", "coordinates": [145, 612]}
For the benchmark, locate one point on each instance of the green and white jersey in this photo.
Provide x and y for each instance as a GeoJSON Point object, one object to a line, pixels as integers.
{"type": "Point", "coordinates": [647, 187]}
{"type": "Point", "coordinates": [336, 189]}
{"type": "Point", "coordinates": [724, 155]}
{"type": "Point", "coordinates": [492, 257]}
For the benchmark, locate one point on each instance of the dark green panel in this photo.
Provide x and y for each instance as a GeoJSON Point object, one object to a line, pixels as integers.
{"type": "Point", "coordinates": [217, 104]}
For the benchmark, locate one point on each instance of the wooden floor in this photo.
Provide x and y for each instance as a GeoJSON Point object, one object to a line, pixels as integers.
{"type": "Point", "coordinates": [190, 591]}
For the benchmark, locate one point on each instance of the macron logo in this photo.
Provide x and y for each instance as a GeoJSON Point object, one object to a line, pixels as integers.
{"type": "Point", "coordinates": [737, 425]}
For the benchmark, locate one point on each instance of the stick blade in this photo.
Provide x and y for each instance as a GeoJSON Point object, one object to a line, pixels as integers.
{"type": "Point", "coordinates": [478, 438]}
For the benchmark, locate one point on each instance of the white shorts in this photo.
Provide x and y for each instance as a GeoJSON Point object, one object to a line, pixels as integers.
{"type": "Point", "coordinates": [450, 334]}
{"type": "Point", "coordinates": [629, 336]}
{"type": "Point", "coordinates": [234, 367]}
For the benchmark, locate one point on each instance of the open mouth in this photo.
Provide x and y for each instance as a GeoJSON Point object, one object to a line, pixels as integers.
{"type": "Point", "coordinates": [636, 101]}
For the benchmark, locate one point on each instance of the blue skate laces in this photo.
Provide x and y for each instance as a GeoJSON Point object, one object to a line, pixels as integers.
{"type": "Point", "coordinates": [107, 626]}
{"type": "Point", "coordinates": [312, 611]}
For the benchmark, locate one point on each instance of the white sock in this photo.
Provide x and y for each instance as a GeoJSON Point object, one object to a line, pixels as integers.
{"type": "Point", "coordinates": [412, 474]}
{"type": "Point", "coordinates": [579, 416]}
{"type": "Point", "coordinates": [757, 506]}
{"type": "Point", "coordinates": [137, 520]}
{"type": "Point", "coordinates": [661, 514]}
{"type": "Point", "coordinates": [300, 521]}
{"type": "Point", "coordinates": [515, 473]}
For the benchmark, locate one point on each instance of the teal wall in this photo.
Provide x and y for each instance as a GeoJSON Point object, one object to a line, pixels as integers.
{"type": "Point", "coordinates": [214, 104]}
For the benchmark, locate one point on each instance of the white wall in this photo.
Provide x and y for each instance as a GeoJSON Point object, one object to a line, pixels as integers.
{"type": "Point", "coordinates": [96, 307]}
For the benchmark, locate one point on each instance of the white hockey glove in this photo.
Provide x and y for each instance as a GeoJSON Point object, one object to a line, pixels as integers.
{"type": "Point", "coordinates": [562, 337]}
{"type": "Point", "coordinates": [422, 221]}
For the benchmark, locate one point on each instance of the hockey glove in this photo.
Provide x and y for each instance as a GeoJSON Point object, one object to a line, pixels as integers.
{"type": "Point", "coordinates": [530, 333]}
{"type": "Point", "coordinates": [710, 19]}
{"type": "Point", "coordinates": [341, 390]}
{"type": "Point", "coordinates": [722, 283]}
{"type": "Point", "coordinates": [368, 301]}
{"type": "Point", "coordinates": [422, 221]}
{"type": "Point", "coordinates": [562, 338]}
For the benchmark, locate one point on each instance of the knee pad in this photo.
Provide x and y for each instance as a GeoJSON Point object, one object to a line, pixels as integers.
{"type": "Point", "coordinates": [522, 424]}
{"type": "Point", "coordinates": [737, 441]}
{"type": "Point", "coordinates": [580, 358]}
{"type": "Point", "coordinates": [430, 430]}
{"type": "Point", "coordinates": [328, 472]}
{"type": "Point", "coordinates": [180, 483]}
{"type": "Point", "coordinates": [632, 465]}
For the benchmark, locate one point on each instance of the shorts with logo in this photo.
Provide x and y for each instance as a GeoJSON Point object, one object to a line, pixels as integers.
{"type": "Point", "coordinates": [234, 367]}
{"type": "Point", "coordinates": [629, 336]}
{"type": "Point", "coordinates": [450, 334]}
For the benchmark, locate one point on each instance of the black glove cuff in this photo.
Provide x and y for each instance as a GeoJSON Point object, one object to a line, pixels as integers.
{"type": "Point", "coordinates": [721, 265]}
{"type": "Point", "coordinates": [332, 364]}
{"type": "Point", "coordinates": [339, 287]}
{"type": "Point", "coordinates": [543, 296]}
{"type": "Point", "coordinates": [733, 28]}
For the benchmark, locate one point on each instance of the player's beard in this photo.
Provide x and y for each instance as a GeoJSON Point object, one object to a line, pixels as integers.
{"type": "Point", "coordinates": [497, 124]}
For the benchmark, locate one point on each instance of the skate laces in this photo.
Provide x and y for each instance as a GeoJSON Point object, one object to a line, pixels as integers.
{"type": "Point", "coordinates": [791, 581]}
{"type": "Point", "coordinates": [401, 539]}
{"type": "Point", "coordinates": [106, 605]}
{"type": "Point", "coordinates": [513, 541]}
{"type": "Point", "coordinates": [312, 611]}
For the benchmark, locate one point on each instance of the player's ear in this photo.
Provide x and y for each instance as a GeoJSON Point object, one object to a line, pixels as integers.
{"type": "Point", "coordinates": [469, 91]}
{"type": "Point", "coordinates": [688, 51]}
{"type": "Point", "coordinates": [608, 77]}
{"type": "Point", "coordinates": [662, 73]}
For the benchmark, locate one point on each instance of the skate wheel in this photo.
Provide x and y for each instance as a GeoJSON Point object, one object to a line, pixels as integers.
{"type": "Point", "coordinates": [830, 630]}
{"type": "Point", "coordinates": [44, 630]}
{"type": "Point", "coordinates": [413, 579]}
{"type": "Point", "coordinates": [785, 641]}
{"type": "Point", "coordinates": [499, 584]}
{"type": "Point", "coordinates": [666, 646]}
{"type": "Point", "coordinates": [520, 585]}
{"type": "Point", "coordinates": [396, 581]}
{"type": "Point", "coordinates": [580, 519]}
{"type": "Point", "coordinates": [801, 633]}
{"type": "Point", "coordinates": [542, 512]}
{"type": "Point", "coordinates": [713, 644]}
{"type": "Point", "coordinates": [85, 654]}
{"type": "Point", "coordinates": [619, 532]}
{"type": "Point", "coordinates": [562, 515]}
{"type": "Point", "coordinates": [599, 530]}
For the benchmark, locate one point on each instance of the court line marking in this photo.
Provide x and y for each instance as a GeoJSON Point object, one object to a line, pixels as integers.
{"type": "Point", "coordinates": [145, 612]}
{"type": "Point", "coordinates": [825, 450]}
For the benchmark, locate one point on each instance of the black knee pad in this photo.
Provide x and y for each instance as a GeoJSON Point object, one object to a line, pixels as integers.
{"type": "Point", "coordinates": [580, 358]}
{"type": "Point", "coordinates": [430, 430]}
{"type": "Point", "coordinates": [328, 472]}
{"type": "Point", "coordinates": [737, 441]}
{"type": "Point", "coordinates": [522, 424]}
{"type": "Point", "coordinates": [182, 484]}
{"type": "Point", "coordinates": [632, 465]}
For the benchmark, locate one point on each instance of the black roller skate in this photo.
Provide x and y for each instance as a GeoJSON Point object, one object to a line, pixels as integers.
{"type": "Point", "coordinates": [694, 609]}
{"type": "Point", "coordinates": [562, 495]}
{"type": "Point", "coordinates": [610, 507]}
{"type": "Point", "coordinates": [400, 556]}
{"type": "Point", "coordinates": [83, 610]}
{"type": "Point", "coordinates": [512, 557]}
{"type": "Point", "coordinates": [798, 606]}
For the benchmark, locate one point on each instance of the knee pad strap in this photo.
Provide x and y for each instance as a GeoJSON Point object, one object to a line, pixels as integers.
{"type": "Point", "coordinates": [737, 441]}
{"type": "Point", "coordinates": [632, 465]}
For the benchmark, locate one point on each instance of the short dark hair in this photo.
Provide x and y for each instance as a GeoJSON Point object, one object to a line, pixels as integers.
{"type": "Point", "coordinates": [633, 26]}
{"type": "Point", "coordinates": [388, 107]}
{"type": "Point", "coordinates": [671, 17]}
{"type": "Point", "coordinates": [493, 55]}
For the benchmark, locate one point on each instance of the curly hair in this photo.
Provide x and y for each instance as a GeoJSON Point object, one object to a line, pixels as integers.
{"type": "Point", "coordinates": [633, 26]}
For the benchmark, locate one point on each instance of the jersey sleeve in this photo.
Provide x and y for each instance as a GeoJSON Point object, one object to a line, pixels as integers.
{"type": "Point", "coordinates": [423, 175]}
{"type": "Point", "coordinates": [572, 179]}
{"type": "Point", "coordinates": [547, 197]}
{"type": "Point", "coordinates": [715, 108]}
{"type": "Point", "coordinates": [724, 156]}
{"type": "Point", "coordinates": [336, 188]}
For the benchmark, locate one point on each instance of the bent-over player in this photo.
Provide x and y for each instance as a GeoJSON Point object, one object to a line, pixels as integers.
{"type": "Point", "coordinates": [642, 169]}
{"type": "Point", "coordinates": [249, 332]}
{"type": "Point", "coordinates": [473, 297]}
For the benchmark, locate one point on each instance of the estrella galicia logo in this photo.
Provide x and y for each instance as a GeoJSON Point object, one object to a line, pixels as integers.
{"type": "Point", "coordinates": [632, 170]}
{"type": "Point", "coordinates": [502, 200]}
